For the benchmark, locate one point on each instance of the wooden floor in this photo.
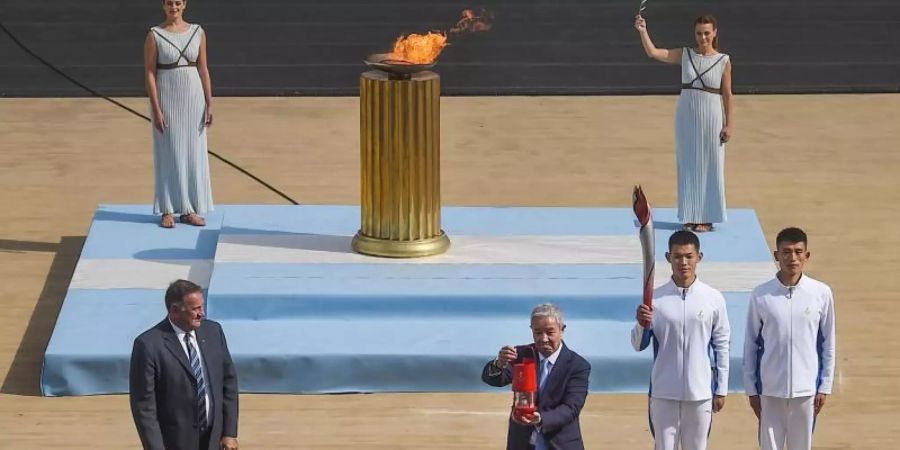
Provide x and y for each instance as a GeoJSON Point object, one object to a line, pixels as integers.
{"type": "Point", "coordinates": [829, 164]}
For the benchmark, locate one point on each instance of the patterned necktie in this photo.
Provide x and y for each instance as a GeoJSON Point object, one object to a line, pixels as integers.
{"type": "Point", "coordinates": [198, 375]}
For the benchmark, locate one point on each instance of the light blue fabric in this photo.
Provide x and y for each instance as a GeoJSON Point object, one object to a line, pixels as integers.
{"type": "Point", "coordinates": [131, 231]}
{"type": "Point", "coordinates": [379, 328]}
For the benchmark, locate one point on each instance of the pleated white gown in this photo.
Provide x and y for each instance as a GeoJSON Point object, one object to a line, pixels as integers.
{"type": "Point", "coordinates": [179, 154]}
{"type": "Point", "coordinates": [699, 152]}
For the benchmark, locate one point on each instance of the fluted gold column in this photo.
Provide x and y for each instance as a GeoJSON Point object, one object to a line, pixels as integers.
{"type": "Point", "coordinates": [400, 156]}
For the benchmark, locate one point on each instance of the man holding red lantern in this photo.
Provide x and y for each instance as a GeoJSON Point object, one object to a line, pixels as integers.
{"type": "Point", "coordinates": [561, 377]}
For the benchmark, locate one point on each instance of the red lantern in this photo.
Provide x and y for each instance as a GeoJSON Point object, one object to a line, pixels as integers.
{"type": "Point", "coordinates": [524, 386]}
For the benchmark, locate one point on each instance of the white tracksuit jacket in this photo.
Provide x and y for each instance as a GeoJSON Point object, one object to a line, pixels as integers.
{"type": "Point", "coordinates": [690, 335]}
{"type": "Point", "coordinates": [790, 340]}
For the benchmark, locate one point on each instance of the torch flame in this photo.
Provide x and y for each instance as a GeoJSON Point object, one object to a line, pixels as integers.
{"type": "Point", "coordinates": [418, 48]}
{"type": "Point", "coordinates": [473, 22]}
{"type": "Point", "coordinates": [425, 48]}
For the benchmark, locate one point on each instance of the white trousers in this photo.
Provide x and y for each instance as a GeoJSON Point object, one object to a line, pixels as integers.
{"type": "Point", "coordinates": [786, 423]}
{"type": "Point", "coordinates": [680, 425]}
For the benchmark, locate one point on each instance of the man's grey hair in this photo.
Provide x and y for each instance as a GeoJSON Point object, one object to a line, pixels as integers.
{"type": "Point", "coordinates": [549, 310]}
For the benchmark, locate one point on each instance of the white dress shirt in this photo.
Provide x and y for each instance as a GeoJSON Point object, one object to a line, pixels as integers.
{"type": "Point", "coordinates": [179, 333]}
{"type": "Point", "coordinates": [553, 356]}
{"type": "Point", "coordinates": [536, 434]}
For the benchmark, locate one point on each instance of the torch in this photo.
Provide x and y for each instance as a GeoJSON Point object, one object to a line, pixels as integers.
{"type": "Point", "coordinates": [648, 242]}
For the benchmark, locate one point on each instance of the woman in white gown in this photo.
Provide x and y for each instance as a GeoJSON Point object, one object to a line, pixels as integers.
{"type": "Point", "coordinates": [703, 122]}
{"type": "Point", "coordinates": [180, 93]}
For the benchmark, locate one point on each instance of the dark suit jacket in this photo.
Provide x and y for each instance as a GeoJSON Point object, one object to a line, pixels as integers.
{"type": "Point", "coordinates": [559, 403]}
{"type": "Point", "coordinates": [163, 391]}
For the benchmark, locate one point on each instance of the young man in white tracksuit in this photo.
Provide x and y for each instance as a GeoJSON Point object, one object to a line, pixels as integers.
{"type": "Point", "coordinates": [789, 348]}
{"type": "Point", "coordinates": [687, 320]}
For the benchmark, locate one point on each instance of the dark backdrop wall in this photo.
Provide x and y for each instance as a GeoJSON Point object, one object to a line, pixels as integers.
{"type": "Point", "coordinates": [306, 47]}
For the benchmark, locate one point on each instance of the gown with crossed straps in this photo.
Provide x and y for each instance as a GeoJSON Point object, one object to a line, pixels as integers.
{"type": "Point", "coordinates": [699, 151]}
{"type": "Point", "coordinates": [179, 153]}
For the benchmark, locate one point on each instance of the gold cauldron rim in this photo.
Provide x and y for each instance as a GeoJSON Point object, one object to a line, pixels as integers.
{"type": "Point", "coordinates": [402, 69]}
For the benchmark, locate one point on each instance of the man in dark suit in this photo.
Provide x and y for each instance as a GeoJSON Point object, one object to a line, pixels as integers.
{"type": "Point", "coordinates": [182, 385]}
{"type": "Point", "coordinates": [563, 386]}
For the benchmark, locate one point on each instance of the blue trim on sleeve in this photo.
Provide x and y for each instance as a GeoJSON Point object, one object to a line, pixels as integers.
{"type": "Point", "coordinates": [714, 359]}
{"type": "Point", "coordinates": [645, 338]}
{"type": "Point", "coordinates": [760, 349]}
{"type": "Point", "coordinates": [655, 352]}
{"type": "Point", "coordinates": [820, 350]}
